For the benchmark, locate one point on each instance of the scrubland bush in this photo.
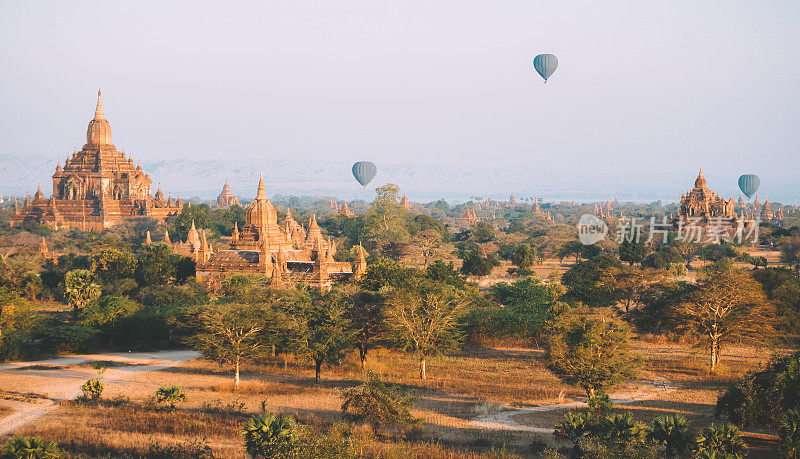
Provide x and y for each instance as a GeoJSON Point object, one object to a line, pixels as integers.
{"type": "Point", "coordinates": [170, 395]}
{"type": "Point", "coordinates": [377, 404]}
{"type": "Point", "coordinates": [93, 389]}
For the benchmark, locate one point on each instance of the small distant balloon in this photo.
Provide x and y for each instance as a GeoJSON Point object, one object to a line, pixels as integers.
{"type": "Point", "coordinates": [749, 183]}
{"type": "Point", "coordinates": [545, 64]}
{"type": "Point", "coordinates": [364, 172]}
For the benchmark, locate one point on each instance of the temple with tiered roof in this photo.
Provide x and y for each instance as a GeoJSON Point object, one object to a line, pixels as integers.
{"type": "Point", "coordinates": [226, 198]}
{"type": "Point", "coordinates": [97, 187]}
{"type": "Point", "coordinates": [283, 250]}
{"type": "Point", "coordinates": [701, 204]}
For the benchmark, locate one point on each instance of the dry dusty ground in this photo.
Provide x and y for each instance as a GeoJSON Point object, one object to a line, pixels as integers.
{"type": "Point", "coordinates": [479, 383]}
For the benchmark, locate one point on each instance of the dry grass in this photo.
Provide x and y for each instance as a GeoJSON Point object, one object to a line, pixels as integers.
{"type": "Point", "coordinates": [457, 388]}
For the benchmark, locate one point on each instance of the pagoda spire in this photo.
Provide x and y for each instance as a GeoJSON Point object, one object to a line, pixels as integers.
{"type": "Point", "coordinates": [261, 194]}
{"type": "Point", "coordinates": [98, 112]}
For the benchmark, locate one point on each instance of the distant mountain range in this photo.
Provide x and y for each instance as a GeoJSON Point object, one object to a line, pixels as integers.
{"type": "Point", "coordinates": [422, 183]}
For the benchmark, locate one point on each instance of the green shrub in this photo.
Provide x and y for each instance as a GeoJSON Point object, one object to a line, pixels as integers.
{"type": "Point", "coordinates": [269, 435]}
{"type": "Point", "coordinates": [621, 430]}
{"type": "Point", "coordinates": [760, 398]}
{"type": "Point", "coordinates": [93, 389]}
{"type": "Point", "coordinates": [789, 432]}
{"type": "Point", "coordinates": [377, 403]}
{"type": "Point", "coordinates": [574, 426]}
{"type": "Point", "coordinates": [170, 395]}
{"type": "Point", "coordinates": [720, 441]}
{"type": "Point", "coordinates": [672, 433]}
{"type": "Point", "coordinates": [30, 448]}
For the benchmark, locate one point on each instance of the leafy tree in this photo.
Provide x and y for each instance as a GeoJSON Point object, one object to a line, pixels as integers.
{"type": "Point", "coordinates": [31, 448]}
{"type": "Point", "coordinates": [156, 265]}
{"type": "Point", "coordinates": [632, 251]}
{"type": "Point", "coordinates": [475, 264]}
{"type": "Point", "coordinates": [110, 265]}
{"type": "Point", "coordinates": [385, 219]}
{"type": "Point", "coordinates": [633, 286]}
{"type": "Point", "coordinates": [171, 395]}
{"type": "Point", "coordinates": [427, 241]}
{"type": "Point", "coordinates": [386, 272]}
{"type": "Point", "coordinates": [515, 226]}
{"type": "Point", "coordinates": [587, 281]}
{"type": "Point", "coordinates": [80, 288]}
{"type": "Point", "coordinates": [445, 272]}
{"type": "Point", "coordinates": [322, 329]}
{"type": "Point", "coordinates": [269, 435]}
{"type": "Point", "coordinates": [726, 304]}
{"type": "Point", "coordinates": [228, 333]}
{"type": "Point", "coordinates": [425, 316]}
{"type": "Point", "coordinates": [524, 256]}
{"type": "Point", "coordinates": [483, 232]}
{"type": "Point", "coordinates": [108, 309]}
{"type": "Point", "coordinates": [366, 313]}
{"type": "Point", "coordinates": [590, 353]}
{"type": "Point", "coordinates": [688, 251]}
{"type": "Point", "coordinates": [662, 258]}
{"type": "Point", "coordinates": [570, 248]}
{"type": "Point", "coordinates": [716, 252]}
{"type": "Point", "coordinates": [18, 321]}
{"type": "Point", "coordinates": [377, 404]}
{"type": "Point", "coordinates": [723, 440]}
{"type": "Point", "coordinates": [761, 398]}
{"type": "Point", "coordinates": [185, 268]}
{"type": "Point", "coordinates": [527, 306]}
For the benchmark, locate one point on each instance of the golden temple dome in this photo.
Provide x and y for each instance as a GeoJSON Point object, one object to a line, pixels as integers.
{"type": "Point", "coordinates": [99, 131]}
{"type": "Point", "coordinates": [700, 181]}
{"type": "Point", "coordinates": [261, 212]}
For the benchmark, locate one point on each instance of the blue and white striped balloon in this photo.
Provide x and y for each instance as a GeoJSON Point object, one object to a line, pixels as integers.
{"type": "Point", "coordinates": [749, 183]}
{"type": "Point", "coordinates": [364, 172]}
{"type": "Point", "coordinates": [545, 64]}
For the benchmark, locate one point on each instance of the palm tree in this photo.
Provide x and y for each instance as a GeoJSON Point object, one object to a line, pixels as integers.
{"type": "Point", "coordinates": [672, 432]}
{"type": "Point", "coordinates": [720, 441]}
{"type": "Point", "coordinates": [268, 435]}
{"type": "Point", "coordinates": [31, 448]}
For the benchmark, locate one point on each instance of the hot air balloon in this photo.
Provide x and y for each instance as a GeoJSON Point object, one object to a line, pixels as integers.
{"type": "Point", "coordinates": [749, 183]}
{"type": "Point", "coordinates": [545, 64]}
{"type": "Point", "coordinates": [364, 172]}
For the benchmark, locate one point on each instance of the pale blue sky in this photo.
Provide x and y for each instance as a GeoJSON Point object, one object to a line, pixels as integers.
{"type": "Point", "coordinates": [641, 85]}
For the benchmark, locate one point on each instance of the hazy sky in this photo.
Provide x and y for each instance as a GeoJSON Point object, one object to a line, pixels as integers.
{"type": "Point", "coordinates": [641, 85]}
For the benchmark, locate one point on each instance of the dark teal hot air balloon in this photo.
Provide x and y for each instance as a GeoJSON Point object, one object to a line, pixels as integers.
{"type": "Point", "coordinates": [364, 172]}
{"type": "Point", "coordinates": [545, 64]}
{"type": "Point", "coordinates": [749, 183]}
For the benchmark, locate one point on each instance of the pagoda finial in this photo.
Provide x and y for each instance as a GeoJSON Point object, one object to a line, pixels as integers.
{"type": "Point", "coordinates": [98, 112]}
{"type": "Point", "coordinates": [261, 194]}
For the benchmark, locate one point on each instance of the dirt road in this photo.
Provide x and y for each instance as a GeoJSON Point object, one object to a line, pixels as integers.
{"type": "Point", "coordinates": [32, 389]}
{"type": "Point", "coordinates": [507, 419]}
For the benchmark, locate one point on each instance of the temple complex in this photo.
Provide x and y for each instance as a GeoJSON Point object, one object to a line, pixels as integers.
{"type": "Point", "coordinates": [405, 202]}
{"type": "Point", "coordinates": [97, 187]}
{"type": "Point", "coordinates": [226, 198]}
{"type": "Point", "coordinates": [701, 204]}
{"type": "Point", "coordinates": [283, 250]}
